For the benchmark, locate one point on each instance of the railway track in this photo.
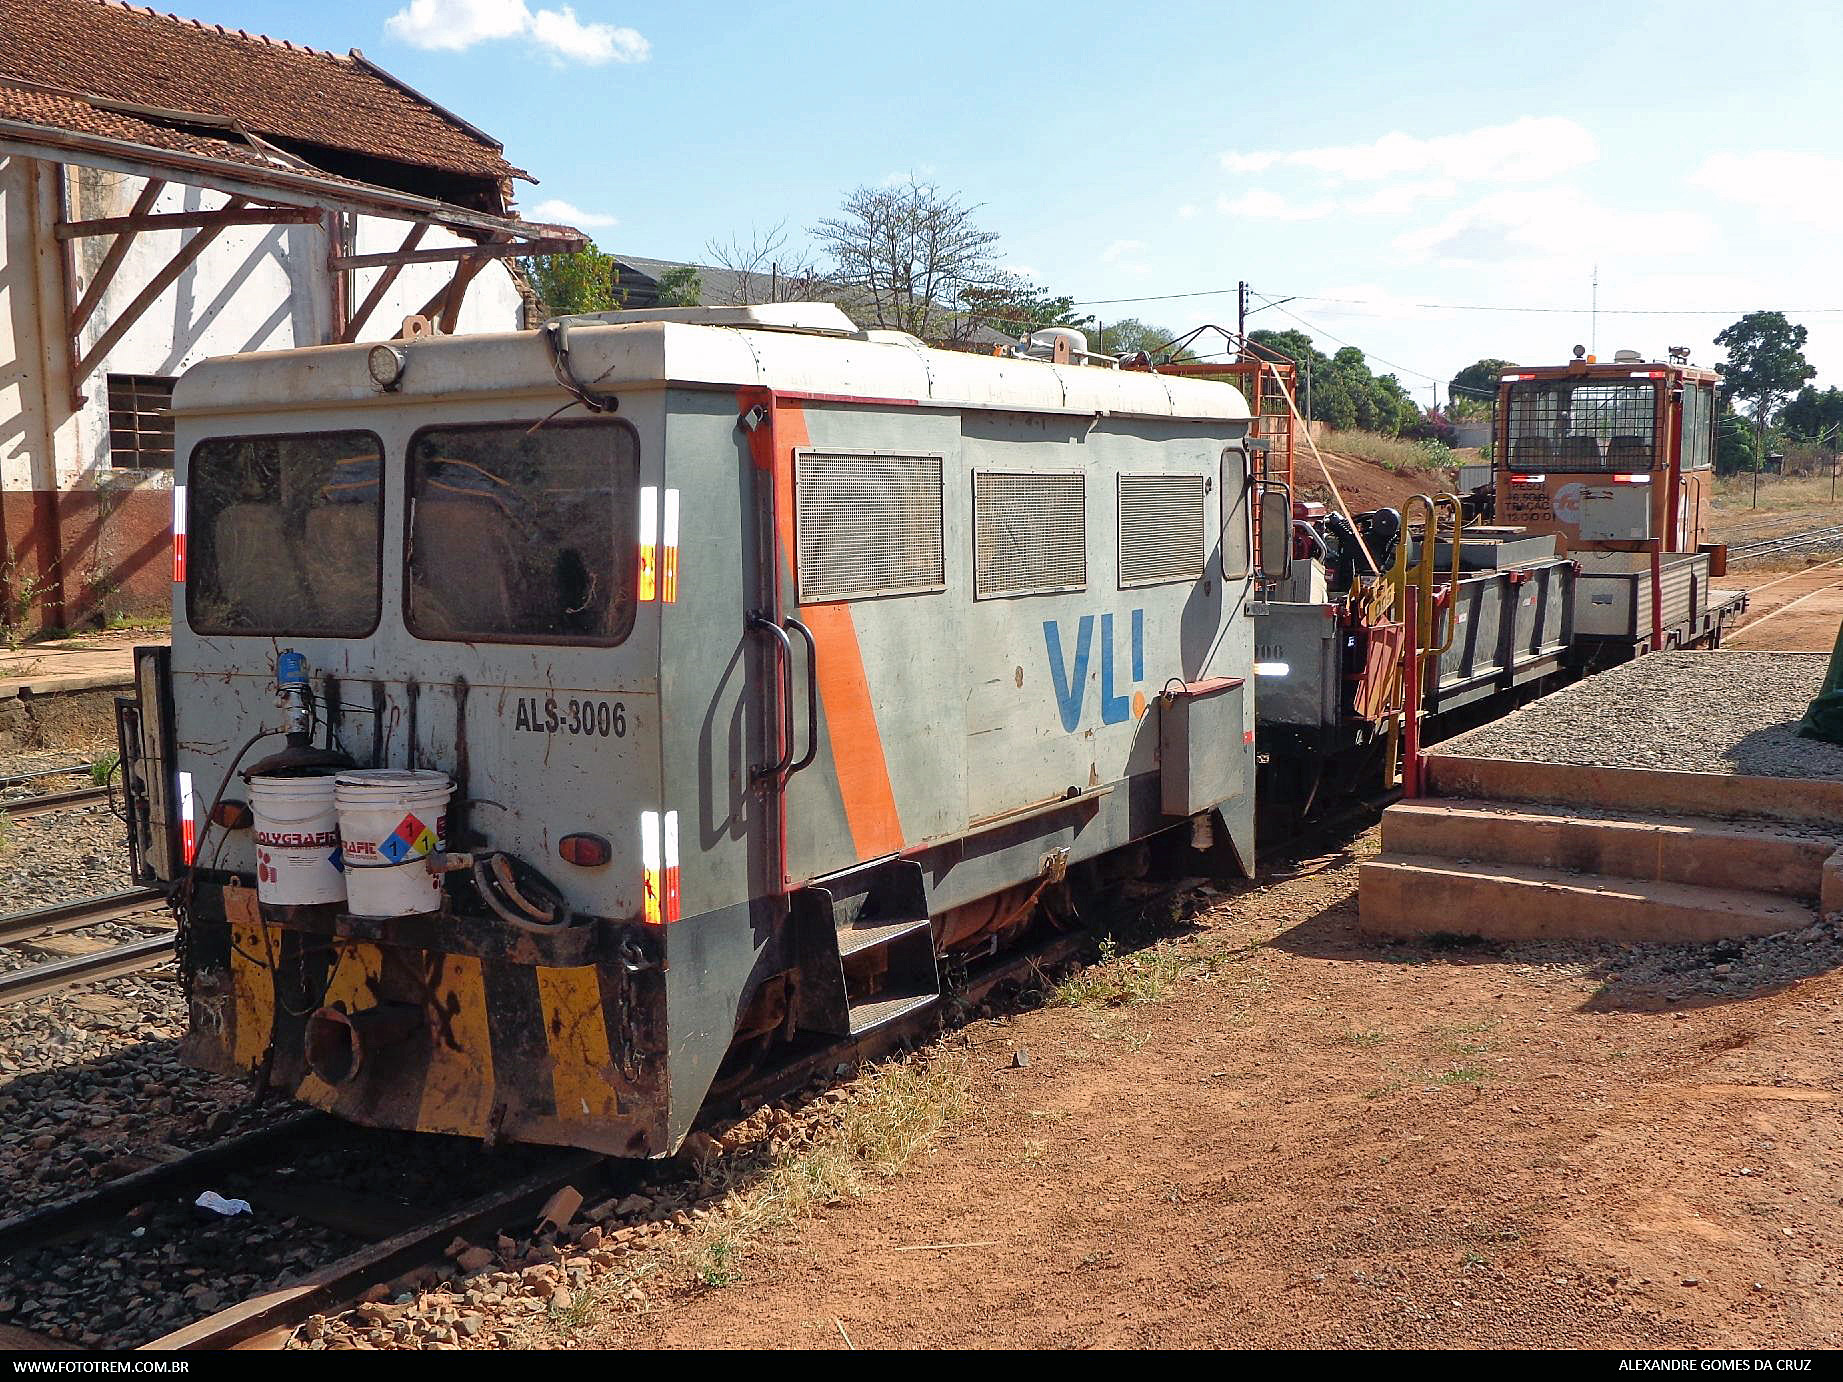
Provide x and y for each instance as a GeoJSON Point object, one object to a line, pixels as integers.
{"type": "Point", "coordinates": [140, 905]}
{"type": "Point", "coordinates": [268, 1317]}
{"type": "Point", "coordinates": [1792, 542]}
{"type": "Point", "coordinates": [23, 807]}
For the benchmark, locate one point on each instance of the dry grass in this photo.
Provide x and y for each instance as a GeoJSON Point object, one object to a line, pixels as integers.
{"type": "Point", "coordinates": [83, 723]}
{"type": "Point", "coordinates": [889, 1116]}
{"type": "Point", "coordinates": [1391, 453]}
{"type": "Point", "coordinates": [1776, 492]}
{"type": "Point", "coordinates": [1116, 980]}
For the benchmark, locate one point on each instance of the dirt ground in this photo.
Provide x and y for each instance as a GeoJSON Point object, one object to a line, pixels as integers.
{"type": "Point", "coordinates": [1364, 484]}
{"type": "Point", "coordinates": [1310, 1139]}
{"type": "Point", "coordinates": [1791, 607]}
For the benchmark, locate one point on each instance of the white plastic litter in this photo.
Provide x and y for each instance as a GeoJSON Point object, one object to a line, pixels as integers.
{"type": "Point", "coordinates": [217, 1204]}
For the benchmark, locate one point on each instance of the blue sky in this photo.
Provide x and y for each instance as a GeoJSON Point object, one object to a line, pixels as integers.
{"type": "Point", "coordinates": [1374, 166]}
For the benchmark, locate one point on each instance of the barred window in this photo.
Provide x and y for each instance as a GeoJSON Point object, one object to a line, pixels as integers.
{"type": "Point", "coordinates": [868, 525]}
{"type": "Point", "coordinates": [1161, 528]}
{"type": "Point", "coordinates": [1569, 426]}
{"type": "Point", "coordinates": [140, 422]}
{"type": "Point", "coordinates": [1030, 533]}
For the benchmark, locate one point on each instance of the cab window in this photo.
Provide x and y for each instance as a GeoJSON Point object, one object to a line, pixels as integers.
{"type": "Point", "coordinates": [283, 534]}
{"type": "Point", "coordinates": [523, 534]}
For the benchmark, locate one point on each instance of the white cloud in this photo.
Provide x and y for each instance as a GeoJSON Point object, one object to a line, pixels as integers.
{"type": "Point", "coordinates": [456, 25]}
{"type": "Point", "coordinates": [1402, 197]}
{"type": "Point", "coordinates": [1553, 222]}
{"type": "Point", "coordinates": [1803, 188]}
{"type": "Point", "coordinates": [1186, 212]}
{"type": "Point", "coordinates": [1120, 249]}
{"type": "Point", "coordinates": [555, 209]}
{"type": "Point", "coordinates": [1257, 203]}
{"type": "Point", "coordinates": [1525, 150]}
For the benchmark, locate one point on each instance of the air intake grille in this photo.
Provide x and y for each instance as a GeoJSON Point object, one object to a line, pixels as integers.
{"type": "Point", "coordinates": [1030, 533]}
{"type": "Point", "coordinates": [1161, 528]}
{"type": "Point", "coordinates": [868, 525]}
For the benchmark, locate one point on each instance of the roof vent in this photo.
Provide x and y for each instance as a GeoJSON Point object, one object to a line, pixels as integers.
{"type": "Point", "coordinates": [1627, 357]}
{"type": "Point", "coordinates": [1062, 345]}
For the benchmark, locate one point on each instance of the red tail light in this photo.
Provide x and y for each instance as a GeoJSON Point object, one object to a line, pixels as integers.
{"type": "Point", "coordinates": [585, 851]}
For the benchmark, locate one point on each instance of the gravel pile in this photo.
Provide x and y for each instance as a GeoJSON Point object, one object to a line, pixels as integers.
{"type": "Point", "coordinates": [91, 1085]}
{"type": "Point", "coordinates": [62, 857]}
{"type": "Point", "coordinates": [1713, 712]}
{"type": "Point", "coordinates": [503, 1294]}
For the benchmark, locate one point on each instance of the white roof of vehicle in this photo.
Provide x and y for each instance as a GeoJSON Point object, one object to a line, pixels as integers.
{"type": "Point", "coordinates": [785, 347]}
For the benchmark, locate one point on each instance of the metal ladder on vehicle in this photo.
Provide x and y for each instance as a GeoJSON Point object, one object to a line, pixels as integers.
{"type": "Point", "coordinates": [866, 948]}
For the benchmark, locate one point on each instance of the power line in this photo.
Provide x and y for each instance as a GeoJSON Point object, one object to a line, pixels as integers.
{"type": "Point", "coordinates": [1476, 307]}
{"type": "Point", "coordinates": [1320, 331]}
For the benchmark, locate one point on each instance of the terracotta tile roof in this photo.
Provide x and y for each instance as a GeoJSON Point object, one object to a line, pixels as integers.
{"type": "Point", "coordinates": [279, 90]}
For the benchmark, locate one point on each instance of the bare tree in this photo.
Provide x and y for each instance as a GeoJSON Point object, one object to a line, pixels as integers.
{"type": "Point", "coordinates": [907, 254]}
{"type": "Point", "coordinates": [767, 270]}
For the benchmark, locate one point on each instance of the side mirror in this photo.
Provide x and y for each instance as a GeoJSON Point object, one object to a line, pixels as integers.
{"type": "Point", "coordinates": [1276, 534]}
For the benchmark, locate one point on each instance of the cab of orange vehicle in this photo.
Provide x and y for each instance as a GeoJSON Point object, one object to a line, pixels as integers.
{"type": "Point", "coordinates": [1608, 455]}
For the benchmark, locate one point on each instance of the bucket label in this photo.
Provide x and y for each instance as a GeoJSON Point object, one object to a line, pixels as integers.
{"type": "Point", "coordinates": [410, 837]}
{"type": "Point", "coordinates": [291, 839]}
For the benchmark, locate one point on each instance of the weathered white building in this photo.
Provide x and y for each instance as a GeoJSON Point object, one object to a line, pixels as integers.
{"type": "Point", "coordinates": [171, 190]}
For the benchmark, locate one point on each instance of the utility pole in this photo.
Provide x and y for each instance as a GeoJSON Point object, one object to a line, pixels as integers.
{"type": "Point", "coordinates": [1593, 317]}
{"type": "Point", "coordinates": [1241, 312]}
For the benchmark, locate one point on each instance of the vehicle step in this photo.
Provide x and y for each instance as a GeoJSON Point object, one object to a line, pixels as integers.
{"type": "Point", "coordinates": [885, 1009]}
{"type": "Point", "coordinates": [1704, 851]}
{"type": "Point", "coordinates": [868, 935]}
{"type": "Point", "coordinates": [1420, 895]}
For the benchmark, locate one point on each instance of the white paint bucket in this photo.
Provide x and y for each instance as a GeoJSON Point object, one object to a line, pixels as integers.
{"type": "Point", "coordinates": [392, 820]}
{"type": "Point", "coordinates": [297, 841]}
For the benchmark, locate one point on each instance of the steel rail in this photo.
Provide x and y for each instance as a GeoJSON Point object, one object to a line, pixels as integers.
{"type": "Point", "coordinates": [39, 980]}
{"type": "Point", "coordinates": [1791, 542]}
{"type": "Point", "coordinates": [274, 1313]}
{"type": "Point", "coordinates": [22, 807]}
{"type": "Point", "coordinates": [69, 916]}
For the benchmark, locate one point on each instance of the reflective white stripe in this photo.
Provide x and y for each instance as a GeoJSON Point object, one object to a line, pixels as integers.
{"type": "Point", "coordinates": [649, 515]}
{"type": "Point", "coordinates": [649, 839]}
{"type": "Point", "coordinates": [1527, 479]}
{"type": "Point", "coordinates": [179, 532]}
{"type": "Point", "coordinates": [1635, 479]}
{"type": "Point", "coordinates": [668, 556]}
{"type": "Point", "coordinates": [671, 838]}
{"type": "Point", "coordinates": [1271, 669]}
{"type": "Point", "coordinates": [649, 539]}
{"type": "Point", "coordinates": [188, 823]}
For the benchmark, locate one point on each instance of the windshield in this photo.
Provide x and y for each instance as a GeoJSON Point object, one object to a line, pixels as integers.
{"type": "Point", "coordinates": [1558, 424]}
{"type": "Point", "coordinates": [284, 534]}
{"type": "Point", "coordinates": [523, 535]}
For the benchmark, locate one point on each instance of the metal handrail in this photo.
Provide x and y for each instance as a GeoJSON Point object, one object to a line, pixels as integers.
{"type": "Point", "coordinates": [778, 768]}
{"type": "Point", "coordinates": [812, 700]}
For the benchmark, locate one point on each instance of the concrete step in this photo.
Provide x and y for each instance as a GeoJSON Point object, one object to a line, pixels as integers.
{"type": "Point", "coordinates": [1419, 895]}
{"type": "Point", "coordinates": [1817, 801]}
{"type": "Point", "coordinates": [1698, 850]}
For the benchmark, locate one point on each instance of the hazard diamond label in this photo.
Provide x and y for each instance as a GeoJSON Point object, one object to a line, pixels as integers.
{"type": "Point", "coordinates": [409, 838]}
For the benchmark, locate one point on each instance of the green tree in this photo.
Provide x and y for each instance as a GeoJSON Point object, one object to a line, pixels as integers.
{"type": "Point", "coordinates": [1129, 334]}
{"type": "Point", "coordinates": [1736, 444]}
{"type": "Point", "coordinates": [567, 284]}
{"type": "Point", "coordinates": [682, 286]}
{"type": "Point", "coordinates": [1813, 416]}
{"type": "Point", "coordinates": [1766, 362]}
{"type": "Point", "coordinates": [1472, 392]}
{"type": "Point", "coordinates": [1011, 303]}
